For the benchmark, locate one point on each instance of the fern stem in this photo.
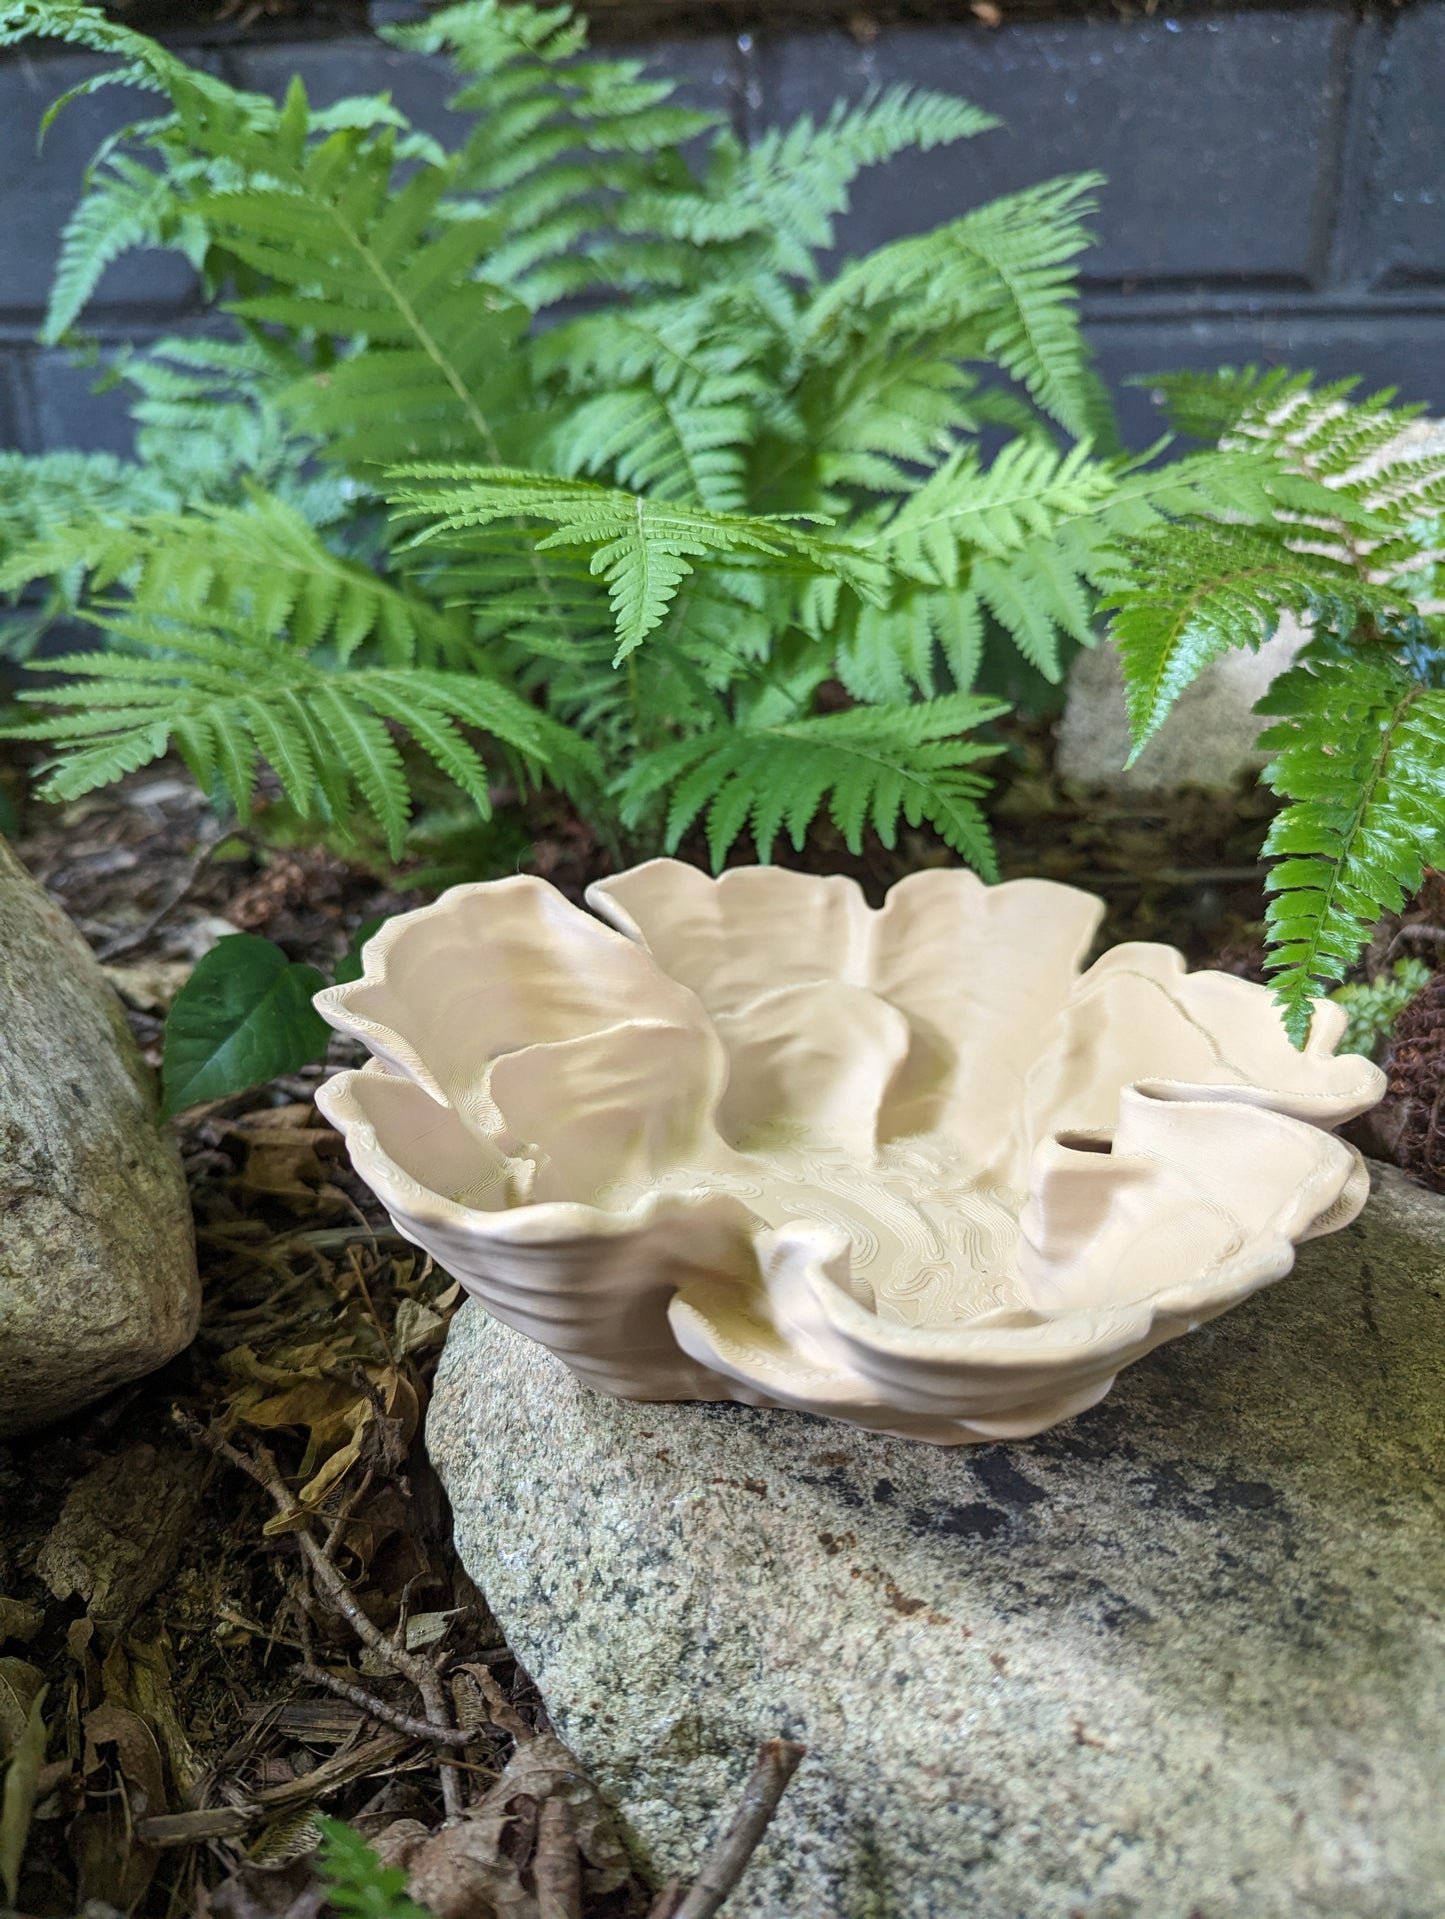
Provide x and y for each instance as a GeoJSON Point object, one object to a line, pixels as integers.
{"type": "Point", "coordinates": [424, 338]}
{"type": "Point", "coordinates": [432, 348]}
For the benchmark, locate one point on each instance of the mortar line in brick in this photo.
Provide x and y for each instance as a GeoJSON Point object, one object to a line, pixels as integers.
{"type": "Point", "coordinates": [22, 386]}
{"type": "Point", "coordinates": [1424, 300]}
{"type": "Point", "coordinates": [748, 89]}
{"type": "Point", "coordinates": [1359, 151]}
{"type": "Point", "coordinates": [99, 319]}
{"type": "Point", "coordinates": [1332, 180]}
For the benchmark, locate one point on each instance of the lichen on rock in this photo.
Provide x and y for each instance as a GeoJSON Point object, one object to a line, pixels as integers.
{"type": "Point", "coordinates": [1180, 1656]}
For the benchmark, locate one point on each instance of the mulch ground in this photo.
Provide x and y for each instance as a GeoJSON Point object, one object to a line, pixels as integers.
{"type": "Point", "coordinates": [236, 1579]}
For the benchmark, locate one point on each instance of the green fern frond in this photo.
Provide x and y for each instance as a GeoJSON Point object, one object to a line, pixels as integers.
{"type": "Point", "coordinates": [679, 345]}
{"type": "Point", "coordinates": [1359, 750]}
{"type": "Point", "coordinates": [352, 260]}
{"type": "Point", "coordinates": [1284, 408]}
{"type": "Point", "coordinates": [145, 63]}
{"type": "Point", "coordinates": [641, 548]}
{"type": "Point", "coordinates": [965, 507]}
{"type": "Point", "coordinates": [688, 449]}
{"type": "Point", "coordinates": [128, 205]}
{"type": "Point", "coordinates": [1207, 405]}
{"type": "Point", "coordinates": [873, 766]}
{"type": "Point", "coordinates": [43, 491]}
{"type": "Point", "coordinates": [1199, 590]}
{"type": "Point", "coordinates": [208, 421]}
{"type": "Point", "coordinates": [260, 564]}
{"type": "Point", "coordinates": [1006, 271]}
{"type": "Point", "coordinates": [892, 653]}
{"type": "Point", "coordinates": [1376, 484]}
{"type": "Point", "coordinates": [559, 141]}
{"type": "Point", "coordinates": [232, 698]}
{"type": "Point", "coordinates": [1374, 1006]}
{"type": "Point", "coordinates": [788, 187]}
{"type": "Point", "coordinates": [877, 417]}
{"type": "Point", "coordinates": [357, 1885]}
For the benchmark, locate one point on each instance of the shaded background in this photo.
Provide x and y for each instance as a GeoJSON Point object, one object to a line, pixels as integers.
{"type": "Point", "coordinates": [1276, 175]}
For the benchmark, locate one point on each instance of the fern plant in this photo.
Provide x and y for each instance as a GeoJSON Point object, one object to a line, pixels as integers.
{"type": "Point", "coordinates": [356, 1883]}
{"type": "Point", "coordinates": [1373, 1006]}
{"type": "Point", "coordinates": [561, 449]}
{"type": "Point", "coordinates": [1358, 724]}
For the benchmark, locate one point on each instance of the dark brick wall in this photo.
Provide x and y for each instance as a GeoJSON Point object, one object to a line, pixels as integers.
{"type": "Point", "coordinates": [1276, 181]}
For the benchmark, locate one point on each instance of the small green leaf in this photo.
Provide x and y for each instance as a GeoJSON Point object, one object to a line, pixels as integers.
{"type": "Point", "coordinates": [243, 1016]}
{"type": "Point", "coordinates": [349, 966]}
{"type": "Point", "coordinates": [356, 1881]}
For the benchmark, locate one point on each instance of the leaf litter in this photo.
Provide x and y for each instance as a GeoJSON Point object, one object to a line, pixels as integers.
{"type": "Point", "coordinates": [230, 1607]}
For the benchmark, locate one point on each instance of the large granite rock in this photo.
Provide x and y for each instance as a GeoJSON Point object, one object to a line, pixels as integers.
{"type": "Point", "coordinates": [1182, 1658]}
{"type": "Point", "coordinates": [1208, 739]}
{"type": "Point", "coordinates": [97, 1267]}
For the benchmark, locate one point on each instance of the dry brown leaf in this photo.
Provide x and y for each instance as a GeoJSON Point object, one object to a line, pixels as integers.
{"type": "Point", "coordinates": [136, 1754]}
{"type": "Point", "coordinates": [153, 1698]}
{"type": "Point", "coordinates": [396, 1844]}
{"type": "Point", "coordinates": [18, 1793]}
{"type": "Point", "coordinates": [126, 1783]}
{"type": "Point", "coordinates": [78, 1643]}
{"type": "Point", "coordinates": [288, 1365]}
{"type": "Point", "coordinates": [464, 1871]}
{"type": "Point", "coordinates": [486, 1861]}
{"type": "Point", "coordinates": [150, 985]}
{"type": "Point", "coordinates": [375, 1525]}
{"type": "Point", "coordinates": [417, 1327]}
{"type": "Point", "coordinates": [20, 1683]}
{"type": "Point", "coordinates": [543, 1769]}
{"type": "Point", "coordinates": [286, 1150]}
{"type": "Point", "coordinates": [260, 1892]}
{"type": "Point", "coordinates": [18, 1621]}
{"type": "Point", "coordinates": [340, 1418]}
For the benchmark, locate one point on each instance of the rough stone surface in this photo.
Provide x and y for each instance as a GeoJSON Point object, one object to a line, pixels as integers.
{"type": "Point", "coordinates": [1182, 1658]}
{"type": "Point", "coordinates": [1207, 740]}
{"type": "Point", "coordinates": [97, 1270]}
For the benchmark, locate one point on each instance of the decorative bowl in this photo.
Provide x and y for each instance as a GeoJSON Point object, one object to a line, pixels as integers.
{"type": "Point", "coordinates": [910, 1168]}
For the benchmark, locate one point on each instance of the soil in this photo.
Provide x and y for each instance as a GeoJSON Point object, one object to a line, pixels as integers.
{"type": "Point", "coordinates": [300, 1619]}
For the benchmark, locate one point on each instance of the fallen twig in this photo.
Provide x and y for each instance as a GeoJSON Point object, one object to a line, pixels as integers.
{"type": "Point", "coordinates": [225, 1822]}
{"type": "Point", "coordinates": [1435, 935]}
{"type": "Point", "coordinates": [378, 1709]}
{"type": "Point", "coordinates": [724, 1866]}
{"type": "Point", "coordinates": [332, 1581]}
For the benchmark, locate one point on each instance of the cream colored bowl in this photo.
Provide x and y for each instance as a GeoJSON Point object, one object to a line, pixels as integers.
{"type": "Point", "coordinates": [908, 1168]}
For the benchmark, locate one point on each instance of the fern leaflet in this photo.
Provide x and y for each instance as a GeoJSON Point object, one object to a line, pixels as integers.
{"type": "Point", "coordinates": [1360, 754]}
